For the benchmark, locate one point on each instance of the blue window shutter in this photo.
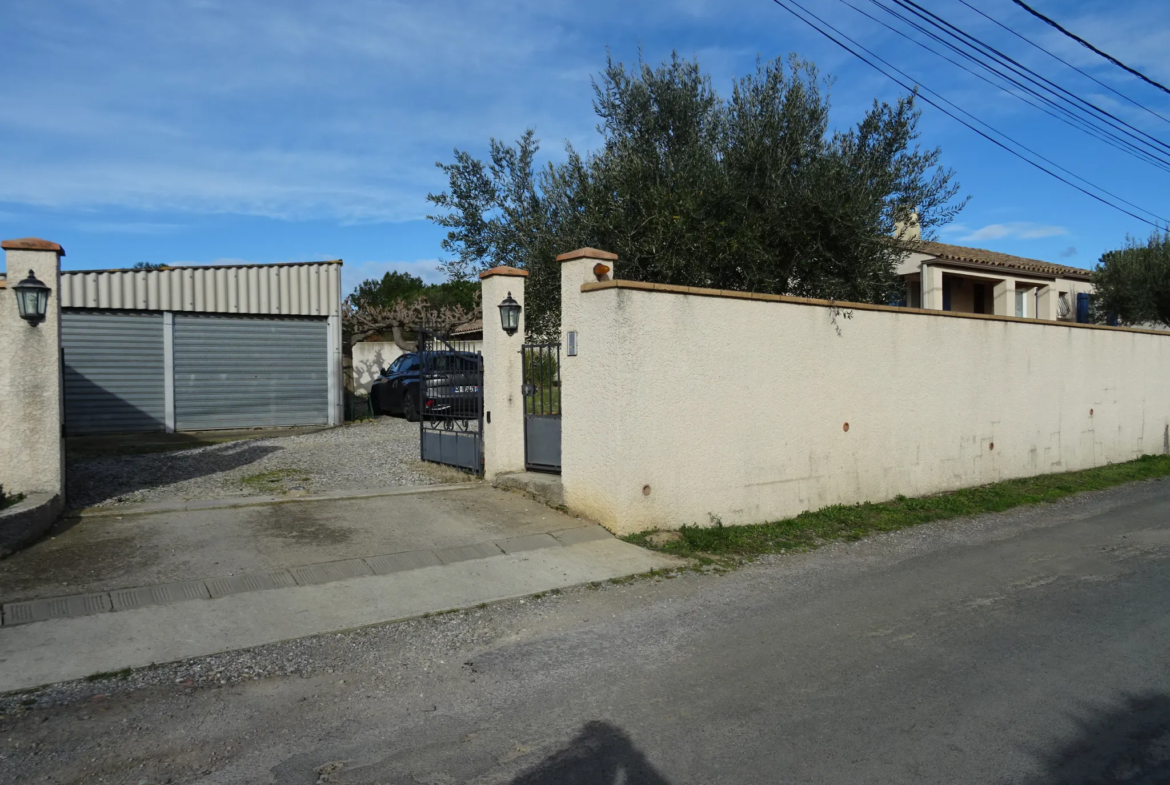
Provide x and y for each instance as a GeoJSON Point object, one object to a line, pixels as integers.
{"type": "Point", "coordinates": [1083, 308]}
{"type": "Point", "coordinates": [946, 293]}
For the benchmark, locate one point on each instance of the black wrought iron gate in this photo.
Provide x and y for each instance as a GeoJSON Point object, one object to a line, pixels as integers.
{"type": "Point", "coordinates": [542, 406]}
{"type": "Point", "coordinates": [450, 401]}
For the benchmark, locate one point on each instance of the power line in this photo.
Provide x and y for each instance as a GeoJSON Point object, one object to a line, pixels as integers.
{"type": "Point", "coordinates": [783, 4]}
{"type": "Point", "coordinates": [1009, 92]}
{"type": "Point", "coordinates": [1087, 45]}
{"type": "Point", "coordinates": [1026, 72]}
{"type": "Point", "coordinates": [1060, 59]}
{"type": "Point", "coordinates": [1071, 117]}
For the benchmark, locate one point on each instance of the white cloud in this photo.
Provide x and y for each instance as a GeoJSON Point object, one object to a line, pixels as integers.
{"type": "Point", "coordinates": [1022, 230]}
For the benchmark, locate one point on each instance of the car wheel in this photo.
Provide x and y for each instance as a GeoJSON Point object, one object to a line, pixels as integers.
{"type": "Point", "coordinates": [410, 405]}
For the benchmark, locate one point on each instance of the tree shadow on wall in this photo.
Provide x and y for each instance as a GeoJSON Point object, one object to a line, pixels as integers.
{"type": "Point", "coordinates": [600, 754]}
{"type": "Point", "coordinates": [366, 372]}
{"type": "Point", "coordinates": [1128, 744]}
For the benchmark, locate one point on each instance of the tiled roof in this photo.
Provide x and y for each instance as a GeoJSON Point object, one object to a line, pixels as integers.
{"type": "Point", "coordinates": [474, 326]}
{"type": "Point", "coordinates": [961, 253]}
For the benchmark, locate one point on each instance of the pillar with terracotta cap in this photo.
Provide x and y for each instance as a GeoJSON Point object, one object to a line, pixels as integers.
{"type": "Point", "coordinates": [31, 406]}
{"type": "Point", "coordinates": [503, 401]}
{"type": "Point", "coordinates": [578, 415]}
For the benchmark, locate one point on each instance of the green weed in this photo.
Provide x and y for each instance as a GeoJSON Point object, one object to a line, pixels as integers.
{"type": "Point", "coordinates": [851, 522]}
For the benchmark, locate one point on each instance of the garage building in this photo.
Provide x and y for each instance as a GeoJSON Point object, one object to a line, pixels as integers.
{"type": "Point", "coordinates": [202, 347]}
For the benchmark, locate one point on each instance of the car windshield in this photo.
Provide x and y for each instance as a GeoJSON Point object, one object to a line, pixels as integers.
{"type": "Point", "coordinates": [451, 361]}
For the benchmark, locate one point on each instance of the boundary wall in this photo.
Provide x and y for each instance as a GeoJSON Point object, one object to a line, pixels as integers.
{"type": "Point", "coordinates": [691, 406]}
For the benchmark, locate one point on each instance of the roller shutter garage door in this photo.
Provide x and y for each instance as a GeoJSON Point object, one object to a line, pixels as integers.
{"type": "Point", "coordinates": [236, 372]}
{"type": "Point", "coordinates": [115, 374]}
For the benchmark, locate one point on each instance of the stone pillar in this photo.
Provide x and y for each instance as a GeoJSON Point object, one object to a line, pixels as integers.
{"type": "Point", "coordinates": [32, 454]}
{"type": "Point", "coordinates": [932, 287]}
{"type": "Point", "coordinates": [1005, 297]}
{"type": "Point", "coordinates": [1046, 303]}
{"type": "Point", "coordinates": [503, 402]}
{"type": "Point", "coordinates": [578, 469]}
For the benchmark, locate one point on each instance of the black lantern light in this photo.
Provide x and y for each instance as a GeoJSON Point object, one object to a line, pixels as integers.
{"type": "Point", "coordinates": [510, 315]}
{"type": "Point", "coordinates": [32, 298]}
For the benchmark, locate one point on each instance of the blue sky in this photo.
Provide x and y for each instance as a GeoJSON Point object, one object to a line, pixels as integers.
{"type": "Point", "coordinates": [199, 131]}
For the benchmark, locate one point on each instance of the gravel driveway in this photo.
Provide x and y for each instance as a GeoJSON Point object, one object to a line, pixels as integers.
{"type": "Point", "coordinates": [357, 456]}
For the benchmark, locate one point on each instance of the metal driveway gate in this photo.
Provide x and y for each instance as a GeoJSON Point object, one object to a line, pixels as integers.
{"type": "Point", "coordinates": [542, 406]}
{"type": "Point", "coordinates": [450, 402]}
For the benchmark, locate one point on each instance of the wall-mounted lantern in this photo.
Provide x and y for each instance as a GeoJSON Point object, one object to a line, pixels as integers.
{"type": "Point", "coordinates": [510, 315]}
{"type": "Point", "coordinates": [32, 298]}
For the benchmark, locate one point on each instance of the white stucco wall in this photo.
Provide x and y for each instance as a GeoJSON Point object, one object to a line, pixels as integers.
{"type": "Point", "coordinates": [369, 358]}
{"type": "Point", "coordinates": [31, 446]}
{"type": "Point", "coordinates": [743, 421]}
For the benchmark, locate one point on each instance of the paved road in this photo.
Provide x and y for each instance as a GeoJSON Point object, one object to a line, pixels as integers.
{"type": "Point", "coordinates": [1029, 647]}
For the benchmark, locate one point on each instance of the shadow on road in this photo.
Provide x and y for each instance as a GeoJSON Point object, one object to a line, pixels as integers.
{"type": "Point", "coordinates": [599, 755]}
{"type": "Point", "coordinates": [1130, 744]}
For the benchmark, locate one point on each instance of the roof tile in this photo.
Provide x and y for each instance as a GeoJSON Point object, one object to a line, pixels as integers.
{"type": "Point", "coordinates": [961, 253]}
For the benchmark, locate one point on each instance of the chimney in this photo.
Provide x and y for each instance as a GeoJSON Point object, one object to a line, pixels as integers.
{"type": "Point", "coordinates": [910, 232]}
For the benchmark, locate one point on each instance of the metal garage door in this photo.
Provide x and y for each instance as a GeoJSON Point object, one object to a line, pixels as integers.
{"type": "Point", "coordinates": [115, 376]}
{"type": "Point", "coordinates": [234, 372]}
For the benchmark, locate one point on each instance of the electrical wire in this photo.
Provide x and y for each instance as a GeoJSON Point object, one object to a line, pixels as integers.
{"type": "Point", "coordinates": [784, 4]}
{"type": "Point", "coordinates": [1060, 59]}
{"type": "Point", "coordinates": [1073, 112]}
{"type": "Point", "coordinates": [1089, 46]}
{"type": "Point", "coordinates": [1057, 112]}
{"type": "Point", "coordinates": [1023, 70]}
{"type": "Point", "coordinates": [1001, 87]}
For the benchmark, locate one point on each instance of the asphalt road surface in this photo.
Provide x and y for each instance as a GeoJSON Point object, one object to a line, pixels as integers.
{"type": "Point", "coordinates": [1029, 647]}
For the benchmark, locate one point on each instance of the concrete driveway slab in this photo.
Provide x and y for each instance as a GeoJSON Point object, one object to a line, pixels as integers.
{"type": "Point", "coordinates": [62, 649]}
{"type": "Point", "coordinates": [113, 552]}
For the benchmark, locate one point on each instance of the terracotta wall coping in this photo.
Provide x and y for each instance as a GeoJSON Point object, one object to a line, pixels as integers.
{"type": "Point", "coordinates": [503, 270]}
{"type": "Point", "coordinates": [597, 286]}
{"type": "Point", "coordinates": [587, 253]}
{"type": "Point", "coordinates": [31, 244]}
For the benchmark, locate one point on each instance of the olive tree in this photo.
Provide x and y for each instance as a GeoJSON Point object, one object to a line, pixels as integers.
{"type": "Point", "coordinates": [1132, 284]}
{"type": "Point", "coordinates": [752, 191]}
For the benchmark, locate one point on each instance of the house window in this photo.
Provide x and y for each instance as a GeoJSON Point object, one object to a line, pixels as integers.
{"type": "Point", "coordinates": [979, 298]}
{"type": "Point", "coordinates": [1063, 306]}
{"type": "Point", "coordinates": [946, 283]}
{"type": "Point", "coordinates": [1020, 303]}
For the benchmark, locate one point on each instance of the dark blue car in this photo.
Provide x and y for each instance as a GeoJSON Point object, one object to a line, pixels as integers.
{"type": "Point", "coordinates": [451, 390]}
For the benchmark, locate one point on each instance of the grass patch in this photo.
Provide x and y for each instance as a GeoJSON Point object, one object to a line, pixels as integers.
{"type": "Point", "coordinates": [9, 499]}
{"type": "Point", "coordinates": [442, 473]}
{"type": "Point", "coordinates": [273, 480]}
{"type": "Point", "coordinates": [852, 522]}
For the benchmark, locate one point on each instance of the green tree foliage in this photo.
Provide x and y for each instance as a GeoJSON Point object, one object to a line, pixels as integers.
{"type": "Point", "coordinates": [1132, 284]}
{"type": "Point", "coordinates": [751, 192]}
{"type": "Point", "coordinates": [392, 288]}
{"type": "Point", "coordinates": [149, 266]}
{"type": "Point", "coordinates": [396, 287]}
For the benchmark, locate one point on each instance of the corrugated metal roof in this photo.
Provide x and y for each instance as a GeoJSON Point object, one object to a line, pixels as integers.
{"type": "Point", "coordinates": [289, 289]}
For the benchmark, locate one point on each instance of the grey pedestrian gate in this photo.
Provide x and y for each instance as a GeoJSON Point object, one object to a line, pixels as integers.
{"type": "Point", "coordinates": [450, 402]}
{"type": "Point", "coordinates": [542, 406]}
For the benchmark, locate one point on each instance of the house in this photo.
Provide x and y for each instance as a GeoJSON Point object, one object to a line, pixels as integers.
{"type": "Point", "coordinates": [944, 277]}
